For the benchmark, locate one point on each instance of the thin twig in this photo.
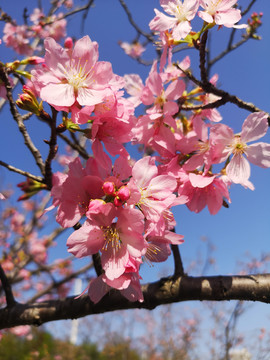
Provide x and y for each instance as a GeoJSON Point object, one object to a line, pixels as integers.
{"type": "Point", "coordinates": [210, 88]}
{"type": "Point", "coordinates": [202, 49]}
{"type": "Point", "coordinates": [132, 22]}
{"type": "Point", "coordinates": [58, 283]}
{"type": "Point", "coordinates": [21, 172]}
{"type": "Point", "coordinates": [70, 13]}
{"type": "Point", "coordinates": [78, 148]}
{"type": "Point", "coordinates": [18, 118]}
{"type": "Point", "coordinates": [52, 152]}
{"type": "Point", "coordinates": [244, 12]}
{"type": "Point", "coordinates": [227, 51]}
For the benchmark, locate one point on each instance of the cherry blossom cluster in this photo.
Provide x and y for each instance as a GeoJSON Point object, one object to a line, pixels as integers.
{"type": "Point", "coordinates": [122, 210]}
{"type": "Point", "coordinates": [19, 37]}
{"type": "Point", "coordinates": [128, 218]}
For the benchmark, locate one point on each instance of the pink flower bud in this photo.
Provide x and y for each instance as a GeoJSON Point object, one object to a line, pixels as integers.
{"type": "Point", "coordinates": [35, 60]}
{"type": "Point", "coordinates": [117, 202]}
{"type": "Point", "coordinates": [108, 188]}
{"type": "Point", "coordinates": [123, 193]}
{"type": "Point", "coordinates": [68, 43]}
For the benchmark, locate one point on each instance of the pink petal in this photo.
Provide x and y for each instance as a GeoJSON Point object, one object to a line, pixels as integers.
{"type": "Point", "coordinates": [143, 171]}
{"type": "Point", "coordinates": [200, 181]}
{"type": "Point", "coordinates": [175, 90]}
{"type": "Point", "coordinates": [254, 127]}
{"type": "Point", "coordinates": [88, 96]}
{"type": "Point", "coordinates": [88, 240]}
{"type": "Point", "coordinates": [230, 17]}
{"type": "Point", "coordinates": [162, 22]}
{"type": "Point", "coordinates": [85, 53]}
{"type": "Point", "coordinates": [259, 154]}
{"type": "Point", "coordinates": [58, 94]}
{"type": "Point", "coordinates": [238, 169]}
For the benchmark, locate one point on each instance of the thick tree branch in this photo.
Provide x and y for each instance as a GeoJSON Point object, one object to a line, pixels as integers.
{"type": "Point", "coordinates": [7, 288]}
{"type": "Point", "coordinates": [165, 291]}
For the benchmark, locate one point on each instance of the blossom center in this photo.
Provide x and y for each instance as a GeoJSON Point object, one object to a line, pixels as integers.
{"type": "Point", "coordinates": [112, 238]}
{"type": "Point", "coordinates": [76, 74]}
{"type": "Point", "coordinates": [212, 8]}
{"type": "Point", "coordinates": [238, 145]}
{"type": "Point", "coordinates": [180, 13]}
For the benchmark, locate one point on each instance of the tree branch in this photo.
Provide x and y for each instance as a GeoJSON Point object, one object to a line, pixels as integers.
{"type": "Point", "coordinates": [165, 291]}
{"type": "Point", "coordinates": [21, 172]}
{"type": "Point", "coordinates": [226, 97]}
{"type": "Point", "coordinates": [132, 22]}
{"type": "Point", "coordinates": [7, 288]}
{"type": "Point", "coordinates": [18, 118]}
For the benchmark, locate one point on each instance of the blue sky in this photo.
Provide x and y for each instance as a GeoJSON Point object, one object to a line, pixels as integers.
{"type": "Point", "coordinates": [245, 226]}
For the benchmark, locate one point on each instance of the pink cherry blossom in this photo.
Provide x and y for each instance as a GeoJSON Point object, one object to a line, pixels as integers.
{"type": "Point", "coordinates": [116, 241]}
{"type": "Point", "coordinates": [77, 77]}
{"type": "Point", "coordinates": [254, 127]}
{"type": "Point", "coordinates": [71, 197]}
{"type": "Point", "coordinates": [203, 190]}
{"type": "Point", "coordinates": [18, 37]}
{"type": "Point", "coordinates": [222, 12]}
{"type": "Point", "coordinates": [128, 284]}
{"type": "Point", "coordinates": [163, 99]}
{"type": "Point", "coordinates": [151, 192]}
{"type": "Point", "coordinates": [134, 87]}
{"type": "Point", "coordinates": [181, 14]}
{"type": "Point", "coordinates": [134, 50]}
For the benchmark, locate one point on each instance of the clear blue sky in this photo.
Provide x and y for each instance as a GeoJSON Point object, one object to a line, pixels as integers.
{"type": "Point", "coordinates": [245, 226]}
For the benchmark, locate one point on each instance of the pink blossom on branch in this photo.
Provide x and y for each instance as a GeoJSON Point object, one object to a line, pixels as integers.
{"type": "Point", "coordinates": [254, 127]}
{"type": "Point", "coordinates": [181, 13]}
{"type": "Point", "coordinates": [134, 50]}
{"type": "Point", "coordinates": [73, 77]}
{"type": "Point", "coordinates": [221, 12]}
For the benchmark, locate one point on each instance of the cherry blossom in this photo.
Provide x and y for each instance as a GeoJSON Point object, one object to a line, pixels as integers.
{"type": "Point", "coordinates": [222, 12]}
{"type": "Point", "coordinates": [134, 50]}
{"type": "Point", "coordinates": [181, 15]}
{"type": "Point", "coordinates": [77, 77]}
{"type": "Point", "coordinates": [203, 190]}
{"type": "Point", "coordinates": [151, 192]}
{"type": "Point", "coordinates": [254, 127]}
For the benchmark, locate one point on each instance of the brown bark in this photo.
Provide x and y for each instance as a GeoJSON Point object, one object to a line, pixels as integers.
{"type": "Point", "coordinates": [165, 291]}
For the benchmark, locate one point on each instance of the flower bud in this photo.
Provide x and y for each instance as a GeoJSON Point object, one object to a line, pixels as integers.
{"type": "Point", "coordinates": [123, 193]}
{"type": "Point", "coordinates": [30, 187]}
{"type": "Point", "coordinates": [117, 202]}
{"type": "Point", "coordinates": [68, 43]}
{"type": "Point", "coordinates": [108, 188]}
{"type": "Point", "coordinates": [28, 101]}
{"type": "Point", "coordinates": [32, 60]}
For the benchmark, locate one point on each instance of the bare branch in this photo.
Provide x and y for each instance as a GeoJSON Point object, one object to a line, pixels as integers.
{"type": "Point", "coordinates": [7, 288]}
{"type": "Point", "coordinates": [244, 12]}
{"type": "Point", "coordinates": [21, 172]}
{"type": "Point", "coordinates": [132, 22]}
{"type": "Point", "coordinates": [18, 118]}
{"type": "Point", "coordinates": [58, 283]}
{"type": "Point", "coordinates": [178, 264]}
{"type": "Point", "coordinates": [52, 152]}
{"type": "Point", "coordinates": [75, 147]}
{"type": "Point", "coordinates": [226, 97]}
